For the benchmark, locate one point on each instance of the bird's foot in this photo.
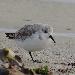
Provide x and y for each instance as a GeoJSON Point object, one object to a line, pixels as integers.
{"type": "Point", "coordinates": [37, 61]}
{"type": "Point", "coordinates": [54, 44]}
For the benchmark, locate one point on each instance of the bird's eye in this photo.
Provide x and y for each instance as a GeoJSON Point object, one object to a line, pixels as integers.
{"type": "Point", "coordinates": [45, 31]}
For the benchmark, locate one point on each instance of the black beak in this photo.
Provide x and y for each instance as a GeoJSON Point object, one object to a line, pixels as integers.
{"type": "Point", "coordinates": [52, 38]}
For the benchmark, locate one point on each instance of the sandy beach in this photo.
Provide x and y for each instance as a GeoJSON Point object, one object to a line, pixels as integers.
{"type": "Point", "coordinates": [15, 13]}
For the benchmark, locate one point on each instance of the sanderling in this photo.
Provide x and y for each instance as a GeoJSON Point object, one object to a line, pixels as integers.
{"type": "Point", "coordinates": [33, 37]}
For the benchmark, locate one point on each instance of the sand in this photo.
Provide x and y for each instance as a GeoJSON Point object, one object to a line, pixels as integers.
{"type": "Point", "coordinates": [15, 13]}
{"type": "Point", "coordinates": [56, 57]}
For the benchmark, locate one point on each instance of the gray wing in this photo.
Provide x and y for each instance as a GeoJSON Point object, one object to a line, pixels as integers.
{"type": "Point", "coordinates": [27, 31]}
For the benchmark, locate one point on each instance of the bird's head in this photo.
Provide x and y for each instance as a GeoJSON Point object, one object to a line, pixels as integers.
{"type": "Point", "coordinates": [48, 31]}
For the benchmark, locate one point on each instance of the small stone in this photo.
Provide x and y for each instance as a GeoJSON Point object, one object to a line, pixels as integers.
{"type": "Point", "coordinates": [50, 73]}
{"type": "Point", "coordinates": [14, 71]}
{"type": "Point", "coordinates": [63, 70]}
{"type": "Point", "coordinates": [6, 65]}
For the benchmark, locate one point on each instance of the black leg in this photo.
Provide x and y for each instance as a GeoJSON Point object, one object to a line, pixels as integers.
{"type": "Point", "coordinates": [31, 56]}
{"type": "Point", "coordinates": [33, 59]}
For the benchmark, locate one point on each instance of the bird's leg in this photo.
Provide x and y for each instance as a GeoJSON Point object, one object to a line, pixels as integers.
{"type": "Point", "coordinates": [33, 59]}
{"type": "Point", "coordinates": [31, 56]}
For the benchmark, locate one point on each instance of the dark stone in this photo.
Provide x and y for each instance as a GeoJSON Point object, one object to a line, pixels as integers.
{"type": "Point", "coordinates": [4, 71]}
{"type": "Point", "coordinates": [18, 58]}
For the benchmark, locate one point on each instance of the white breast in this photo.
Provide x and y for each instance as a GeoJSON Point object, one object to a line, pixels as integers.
{"type": "Point", "coordinates": [34, 44]}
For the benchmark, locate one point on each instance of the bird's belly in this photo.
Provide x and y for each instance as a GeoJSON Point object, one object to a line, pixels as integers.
{"type": "Point", "coordinates": [34, 44]}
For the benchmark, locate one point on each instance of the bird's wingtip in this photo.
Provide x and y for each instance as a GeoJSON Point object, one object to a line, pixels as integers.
{"type": "Point", "coordinates": [10, 35]}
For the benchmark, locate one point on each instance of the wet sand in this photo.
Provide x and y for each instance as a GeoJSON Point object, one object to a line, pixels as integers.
{"type": "Point", "coordinates": [14, 14]}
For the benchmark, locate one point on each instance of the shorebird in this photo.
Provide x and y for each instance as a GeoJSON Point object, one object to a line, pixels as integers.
{"type": "Point", "coordinates": [33, 37]}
